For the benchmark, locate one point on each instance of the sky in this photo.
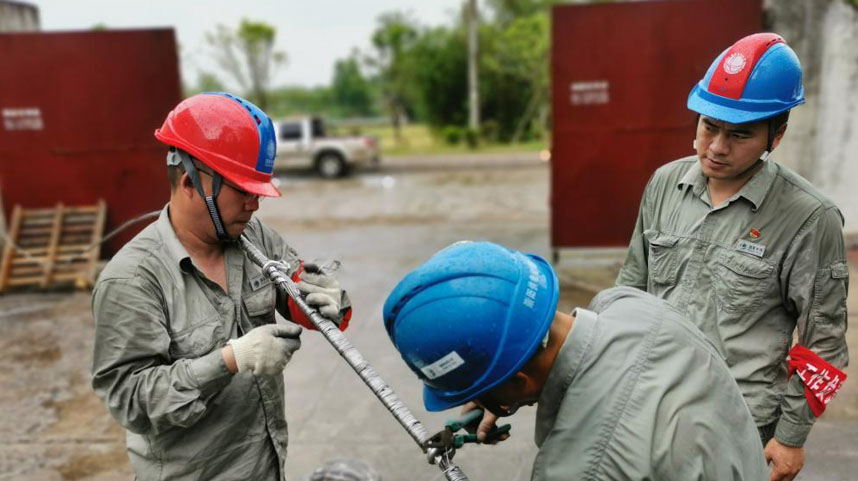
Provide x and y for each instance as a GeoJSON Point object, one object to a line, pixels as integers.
{"type": "Point", "coordinates": [313, 33]}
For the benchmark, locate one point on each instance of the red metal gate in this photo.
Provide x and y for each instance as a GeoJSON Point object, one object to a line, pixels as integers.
{"type": "Point", "coordinates": [621, 75]}
{"type": "Point", "coordinates": [78, 112]}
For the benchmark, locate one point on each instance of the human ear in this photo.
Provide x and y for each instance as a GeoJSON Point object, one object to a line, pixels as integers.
{"type": "Point", "coordinates": [521, 380]}
{"type": "Point", "coordinates": [778, 136]}
{"type": "Point", "coordinates": [187, 185]}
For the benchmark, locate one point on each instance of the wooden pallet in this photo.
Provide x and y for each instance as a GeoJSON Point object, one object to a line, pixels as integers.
{"type": "Point", "coordinates": [51, 247]}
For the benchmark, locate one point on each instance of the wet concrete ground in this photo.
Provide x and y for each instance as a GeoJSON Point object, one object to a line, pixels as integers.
{"type": "Point", "coordinates": [380, 225]}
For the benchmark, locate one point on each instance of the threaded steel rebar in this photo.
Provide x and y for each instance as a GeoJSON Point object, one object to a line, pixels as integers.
{"type": "Point", "coordinates": [370, 377]}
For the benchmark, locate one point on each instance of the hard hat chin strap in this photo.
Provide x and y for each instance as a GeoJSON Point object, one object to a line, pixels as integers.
{"type": "Point", "coordinates": [774, 126]}
{"type": "Point", "coordinates": [176, 156]}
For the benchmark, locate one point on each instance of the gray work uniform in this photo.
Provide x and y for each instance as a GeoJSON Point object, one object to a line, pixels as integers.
{"type": "Point", "coordinates": [638, 393]}
{"type": "Point", "coordinates": [160, 325]}
{"type": "Point", "coordinates": [748, 273]}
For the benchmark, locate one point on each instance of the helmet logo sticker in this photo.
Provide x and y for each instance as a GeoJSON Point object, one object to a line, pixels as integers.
{"type": "Point", "coordinates": [443, 366]}
{"type": "Point", "coordinates": [535, 282]}
{"type": "Point", "coordinates": [270, 153]}
{"type": "Point", "coordinates": [735, 63]}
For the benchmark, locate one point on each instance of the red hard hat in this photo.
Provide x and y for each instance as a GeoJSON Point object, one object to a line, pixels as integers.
{"type": "Point", "coordinates": [228, 134]}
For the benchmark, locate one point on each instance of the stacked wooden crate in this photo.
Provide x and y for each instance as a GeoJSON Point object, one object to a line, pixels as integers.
{"type": "Point", "coordinates": [53, 247]}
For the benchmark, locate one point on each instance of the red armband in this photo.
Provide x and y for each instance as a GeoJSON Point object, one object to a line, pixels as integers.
{"type": "Point", "coordinates": [821, 379]}
{"type": "Point", "coordinates": [298, 316]}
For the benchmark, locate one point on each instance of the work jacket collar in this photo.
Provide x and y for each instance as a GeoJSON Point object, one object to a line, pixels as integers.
{"type": "Point", "coordinates": [175, 250]}
{"type": "Point", "coordinates": [754, 190]}
{"type": "Point", "coordinates": [694, 178]}
{"type": "Point", "coordinates": [760, 184]}
{"type": "Point", "coordinates": [563, 371]}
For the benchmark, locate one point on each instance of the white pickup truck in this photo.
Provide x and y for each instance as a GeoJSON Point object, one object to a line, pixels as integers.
{"type": "Point", "coordinates": [302, 143]}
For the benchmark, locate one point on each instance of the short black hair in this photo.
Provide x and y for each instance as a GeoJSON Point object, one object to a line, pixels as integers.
{"type": "Point", "coordinates": [175, 172]}
{"type": "Point", "coordinates": [775, 124]}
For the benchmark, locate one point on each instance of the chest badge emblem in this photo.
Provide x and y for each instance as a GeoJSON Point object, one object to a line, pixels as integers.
{"type": "Point", "coordinates": [755, 234]}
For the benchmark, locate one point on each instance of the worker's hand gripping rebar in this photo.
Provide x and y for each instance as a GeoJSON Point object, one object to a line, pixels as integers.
{"type": "Point", "coordinates": [354, 358]}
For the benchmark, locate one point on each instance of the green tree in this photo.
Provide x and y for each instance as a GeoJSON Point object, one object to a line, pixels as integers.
{"type": "Point", "coordinates": [424, 71]}
{"type": "Point", "coordinates": [350, 90]}
{"type": "Point", "coordinates": [506, 11]}
{"type": "Point", "coordinates": [248, 55]}
{"type": "Point", "coordinates": [393, 40]}
{"type": "Point", "coordinates": [438, 65]}
{"type": "Point", "coordinates": [521, 53]}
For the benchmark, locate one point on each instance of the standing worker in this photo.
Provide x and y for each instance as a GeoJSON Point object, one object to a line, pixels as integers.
{"type": "Point", "coordinates": [748, 250]}
{"type": "Point", "coordinates": [626, 390]}
{"type": "Point", "coordinates": [188, 357]}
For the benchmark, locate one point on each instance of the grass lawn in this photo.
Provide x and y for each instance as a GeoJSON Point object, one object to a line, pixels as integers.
{"type": "Point", "coordinates": [419, 139]}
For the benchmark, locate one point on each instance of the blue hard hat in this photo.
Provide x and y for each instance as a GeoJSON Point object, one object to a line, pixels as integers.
{"type": "Point", "coordinates": [758, 77]}
{"type": "Point", "coordinates": [469, 318]}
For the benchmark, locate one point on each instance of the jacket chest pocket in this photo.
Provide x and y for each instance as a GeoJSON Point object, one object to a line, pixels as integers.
{"type": "Point", "coordinates": [740, 281]}
{"type": "Point", "coordinates": [662, 261]}
{"type": "Point", "coordinates": [260, 305]}
{"type": "Point", "coordinates": [197, 340]}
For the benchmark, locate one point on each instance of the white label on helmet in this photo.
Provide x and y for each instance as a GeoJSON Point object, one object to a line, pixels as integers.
{"type": "Point", "coordinates": [536, 281]}
{"type": "Point", "coordinates": [443, 366]}
{"type": "Point", "coordinates": [734, 63]}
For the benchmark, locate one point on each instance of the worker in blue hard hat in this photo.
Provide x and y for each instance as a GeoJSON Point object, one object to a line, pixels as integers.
{"type": "Point", "coordinates": [626, 389]}
{"type": "Point", "coordinates": [748, 250]}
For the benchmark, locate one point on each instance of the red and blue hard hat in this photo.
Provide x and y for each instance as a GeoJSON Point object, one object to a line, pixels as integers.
{"type": "Point", "coordinates": [227, 133]}
{"type": "Point", "coordinates": [757, 78]}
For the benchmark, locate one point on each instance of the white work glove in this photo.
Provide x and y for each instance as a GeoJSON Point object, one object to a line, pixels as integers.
{"type": "Point", "coordinates": [321, 291]}
{"type": "Point", "coordinates": [267, 349]}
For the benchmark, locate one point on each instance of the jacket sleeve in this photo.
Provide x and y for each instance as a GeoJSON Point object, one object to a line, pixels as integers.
{"type": "Point", "coordinates": [132, 371]}
{"type": "Point", "coordinates": [816, 278]}
{"type": "Point", "coordinates": [634, 272]}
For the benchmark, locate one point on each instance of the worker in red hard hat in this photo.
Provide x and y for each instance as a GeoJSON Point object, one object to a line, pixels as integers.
{"type": "Point", "coordinates": [235, 140]}
{"type": "Point", "coordinates": [188, 355]}
{"type": "Point", "coordinates": [750, 251]}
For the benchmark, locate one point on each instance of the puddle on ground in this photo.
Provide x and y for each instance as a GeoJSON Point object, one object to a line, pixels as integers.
{"type": "Point", "coordinates": [377, 181]}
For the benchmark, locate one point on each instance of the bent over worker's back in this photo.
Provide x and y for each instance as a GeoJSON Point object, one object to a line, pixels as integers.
{"type": "Point", "coordinates": [641, 394]}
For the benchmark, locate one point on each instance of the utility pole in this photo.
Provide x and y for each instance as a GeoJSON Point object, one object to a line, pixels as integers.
{"type": "Point", "coordinates": [473, 79]}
